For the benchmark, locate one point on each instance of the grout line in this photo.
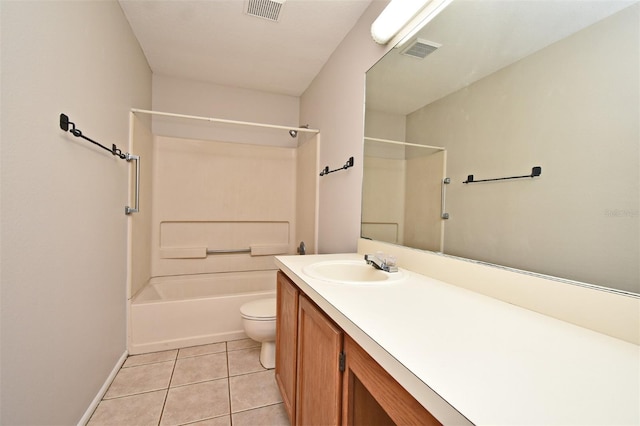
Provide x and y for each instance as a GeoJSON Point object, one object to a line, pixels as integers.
{"type": "Point", "coordinates": [149, 362]}
{"type": "Point", "coordinates": [166, 396]}
{"type": "Point", "coordinates": [226, 346]}
{"type": "Point", "coordinates": [199, 355]}
{"type": "Point", "coordinates": [247, 373]}
{"type": "Point", "coordinates": [132, 394]}
{"type": "Point", "coordinates": [203, 354]}
{"type": "Point", "coordinates": [259, 407]}
{"type": "Point", "coordinates": [198, 383]}
{"type": "Point", "coordinates": [146, 363]}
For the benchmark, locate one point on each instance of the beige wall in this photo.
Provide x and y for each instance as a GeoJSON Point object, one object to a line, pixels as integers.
{"type": "Point", "coordinates": [334, 103]}
{"type": "Point", "coordinates": [189, 97]}
{"type": "Point", "coordinates": [547, 111]}
{"type": "Point", "coordinates": [384, 125]}
{"type": "Point", "coordinates": [63, 258]}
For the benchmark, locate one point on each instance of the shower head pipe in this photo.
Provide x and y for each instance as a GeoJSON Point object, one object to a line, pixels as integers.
{"type": "Point", "coordinates": [294, 133]}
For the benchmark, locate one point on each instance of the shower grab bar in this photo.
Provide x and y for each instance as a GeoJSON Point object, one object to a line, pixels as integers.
{"type": "Point", "coordinates": [256, 249]}
{"type": "Point", "coordinates": [128, 210]}
{"type": "Point", "coordinates": [202, 252]}
{"type": "Point", "coordinates": [443, 198]}
{"type": "Point", "coordinates": [247, 250]}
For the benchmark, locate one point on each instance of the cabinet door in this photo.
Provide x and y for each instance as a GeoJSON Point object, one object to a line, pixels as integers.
{"type": "Point", "coordinates": [286, 342]}
{"type": "Point", "coordinates": [372, 397]}
{"type": "Point", "coordinates": [319, 384]}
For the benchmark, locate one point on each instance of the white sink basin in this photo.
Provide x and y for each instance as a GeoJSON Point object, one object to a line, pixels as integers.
{"type": "Point", "coordinates": [350, 272]}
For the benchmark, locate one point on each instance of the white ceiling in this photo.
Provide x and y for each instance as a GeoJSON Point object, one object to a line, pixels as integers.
{"type": "Point", "coordinates": [216, 41]}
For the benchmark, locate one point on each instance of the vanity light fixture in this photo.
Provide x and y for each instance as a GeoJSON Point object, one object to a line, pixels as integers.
{"type": "Point", "coordinates": [399, 13]}
{"type": "Point", "coordinates": [394, 17]}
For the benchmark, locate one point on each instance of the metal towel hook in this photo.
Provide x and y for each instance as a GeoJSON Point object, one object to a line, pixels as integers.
{"type": "Point", "coordinates": [348, 164]}
{"type": "Point", "coordinates": [64, 125]}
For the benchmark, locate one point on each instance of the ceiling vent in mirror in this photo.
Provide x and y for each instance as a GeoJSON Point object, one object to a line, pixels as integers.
{"type": "Point", "coordinates": [266, 9]}
{"type": "Point", "coordinates": [420, 48]}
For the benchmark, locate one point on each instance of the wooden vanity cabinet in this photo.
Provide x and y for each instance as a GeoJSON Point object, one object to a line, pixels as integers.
{"type": "Point", "coordinates": [308, 347]}
{"type": "Point", "coordinates": [372, 397]}
{"type": "Point", "coordinates": [319, 384]}
{"type": "Point", "coordinates": [326, 378]}
{"type": "Point", "coordinates": [287, 342]}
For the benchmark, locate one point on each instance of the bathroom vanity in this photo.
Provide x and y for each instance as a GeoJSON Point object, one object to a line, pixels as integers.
{"type": "Point", "coordinates": [416, 350]}
{"type": "Point", "coordinates": [325, 376]}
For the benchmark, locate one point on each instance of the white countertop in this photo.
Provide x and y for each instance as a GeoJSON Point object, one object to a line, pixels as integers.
{"type": "Point", "coordinates": [471, 358]}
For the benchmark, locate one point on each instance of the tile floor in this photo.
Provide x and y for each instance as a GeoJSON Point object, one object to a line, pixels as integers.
{"type": "Point", "coordinates": [222, 384]}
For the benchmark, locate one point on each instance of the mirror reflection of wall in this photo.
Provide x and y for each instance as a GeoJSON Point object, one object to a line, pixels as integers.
{"type": "Point", "coordinates": [570, 105]}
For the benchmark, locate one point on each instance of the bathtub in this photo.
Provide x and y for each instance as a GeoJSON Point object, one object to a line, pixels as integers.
{"type": "Point", "coordinates": [188, 310]}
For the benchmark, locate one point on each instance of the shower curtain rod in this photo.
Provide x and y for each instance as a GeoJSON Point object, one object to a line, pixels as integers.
{"type": "Point", "coordinates": [222, 120]}
{"type": "Point", "coordinates": [403, 143]}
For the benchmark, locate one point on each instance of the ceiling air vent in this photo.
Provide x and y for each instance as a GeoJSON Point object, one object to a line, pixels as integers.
{"type": "Point", "coordinates": [420, 48]}
{"type": "Point", "coordinates": [266, 9]}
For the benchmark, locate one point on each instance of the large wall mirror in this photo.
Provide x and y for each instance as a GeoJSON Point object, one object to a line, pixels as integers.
{"type": "Point", "coordinates": [505, 86]}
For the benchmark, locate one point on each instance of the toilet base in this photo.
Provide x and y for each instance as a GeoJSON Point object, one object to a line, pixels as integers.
{"type": "Point", "coordinates": [268, 355]}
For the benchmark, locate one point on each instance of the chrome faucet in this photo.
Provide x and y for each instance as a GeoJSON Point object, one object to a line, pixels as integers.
{"type": "Point", "coordinates": [382, 262]}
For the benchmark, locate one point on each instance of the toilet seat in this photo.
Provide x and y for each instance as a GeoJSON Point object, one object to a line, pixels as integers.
{"type": "Point", "coordinates": [259, 310]}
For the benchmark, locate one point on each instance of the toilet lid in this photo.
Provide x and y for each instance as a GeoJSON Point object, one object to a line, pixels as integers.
{"type": "Point", "coordinates": [263, 309]}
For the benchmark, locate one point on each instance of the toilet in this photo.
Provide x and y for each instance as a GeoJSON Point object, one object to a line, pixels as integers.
{"type": "Point", "coordinates": [259, 322]}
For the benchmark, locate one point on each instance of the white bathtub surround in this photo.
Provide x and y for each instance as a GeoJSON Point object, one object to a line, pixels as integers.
{"type": "Point", "coordinates": [180, 311]}
{"type": "Point", "coordinates": [471, 358]}
{"type": "Point", "coordinates": [216, 214]}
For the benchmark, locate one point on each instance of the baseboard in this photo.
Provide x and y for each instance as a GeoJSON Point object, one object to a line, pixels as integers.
{"type": "Point", "coordinates": [165, 345]}
{"type": "Point", "coordinates": [94, 404]}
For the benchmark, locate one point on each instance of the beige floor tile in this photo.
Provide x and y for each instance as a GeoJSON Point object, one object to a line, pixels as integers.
{"type": "Point", "coordinates": [218, 421]}
{"type": "Point", "coordinates": [192, 403]}
{"type": "Point", "coordinates": [272, 415]}
{"type": "Point", "coordinates": [142, 409]}
{"type": "Point", "coordinates": [202, 350]}
{"type": "Point", "coordinates": [200, 369]}
{"type": "Point", "coordinates": [244, 361]}
{"type": "Point", "coordinates": [143, 378]}
{"type": "Point", "coordinates": [234, 345]}
{"type": "Point", "coordinates": [253, 390]}
{"type": "Point", "coordinates": [150, 358]}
